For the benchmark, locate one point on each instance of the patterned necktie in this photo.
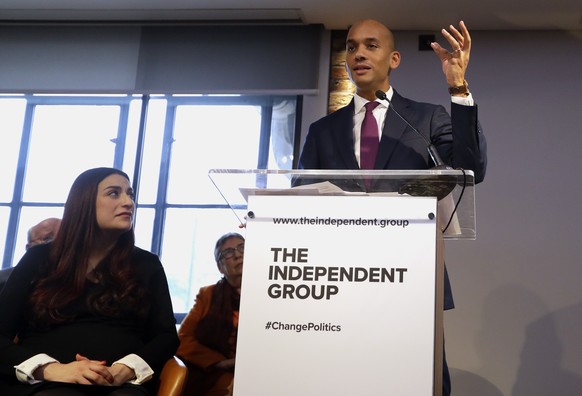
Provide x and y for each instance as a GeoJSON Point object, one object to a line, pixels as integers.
{"type": "Point", "coordinates": [369, 138]}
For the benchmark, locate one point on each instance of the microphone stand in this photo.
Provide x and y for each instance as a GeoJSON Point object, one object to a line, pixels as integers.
{"type": "Point", "coordinates": [432, 151]}
{"type": "Point", "coordinates": [424, 187]}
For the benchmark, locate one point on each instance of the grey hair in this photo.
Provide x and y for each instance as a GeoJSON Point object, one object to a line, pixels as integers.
{"type": "Point", "coordinates": [221, 242]}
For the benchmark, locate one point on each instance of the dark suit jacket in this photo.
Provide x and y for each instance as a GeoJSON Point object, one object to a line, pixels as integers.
{"type": "Point", "coordinates": [458, 138]}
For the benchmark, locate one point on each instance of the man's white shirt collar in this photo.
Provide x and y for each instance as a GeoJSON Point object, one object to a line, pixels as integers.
{"type": "Point", "coordinates": [359, 102]}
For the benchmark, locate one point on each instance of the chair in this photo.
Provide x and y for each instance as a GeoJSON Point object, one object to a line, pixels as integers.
{"type": "Point", "coordinates": [173, 378]}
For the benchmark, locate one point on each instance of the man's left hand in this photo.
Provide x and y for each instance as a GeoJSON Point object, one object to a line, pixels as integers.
{"type": "Point", "coordinates": [455, 62]}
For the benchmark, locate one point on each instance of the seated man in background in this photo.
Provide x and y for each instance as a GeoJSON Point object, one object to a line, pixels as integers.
{"type": "Point", "coordinates": [43, 232]}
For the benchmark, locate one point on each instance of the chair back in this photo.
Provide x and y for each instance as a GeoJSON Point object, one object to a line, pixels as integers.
{"type": "Point", "coordinates": [173, 378]}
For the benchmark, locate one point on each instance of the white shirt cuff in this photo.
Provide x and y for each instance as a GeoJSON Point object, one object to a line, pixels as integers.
{"type": "Point", "coordinates": [143, 372]}
{"type": "Point", "coordinates": [463, 100]}
{"type": "Point", "coordinates": [25, 369]}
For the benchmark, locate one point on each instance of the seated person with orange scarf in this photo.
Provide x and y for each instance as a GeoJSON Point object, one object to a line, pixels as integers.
{"type": "Point", "coordinates": [208, 332]}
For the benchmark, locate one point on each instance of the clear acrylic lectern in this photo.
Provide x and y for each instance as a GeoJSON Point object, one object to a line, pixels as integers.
{"type": "Point", "coordinates": [453, 188]}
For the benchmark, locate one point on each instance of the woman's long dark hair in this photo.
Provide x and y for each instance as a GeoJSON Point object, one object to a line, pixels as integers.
{"type": "Point", "coordinates": [215, 329]}
{"type": "Point", "coordinates": [65, 275]}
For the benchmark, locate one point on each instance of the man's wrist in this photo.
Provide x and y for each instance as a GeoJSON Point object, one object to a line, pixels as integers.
{"type": "Point", "coordinates": [460, 90]}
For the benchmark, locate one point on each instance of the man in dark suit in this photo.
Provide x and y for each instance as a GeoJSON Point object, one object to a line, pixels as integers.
{"type": "Point", "coordinates": [336, 142]}
{"type": "Point", "coordinates": [333, 141]}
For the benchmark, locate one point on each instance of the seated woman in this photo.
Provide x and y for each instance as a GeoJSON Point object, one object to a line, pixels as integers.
{"type": "Point", "coordinates": [208, 332]}
{"type": "Point", "coordinates": [91, 311]}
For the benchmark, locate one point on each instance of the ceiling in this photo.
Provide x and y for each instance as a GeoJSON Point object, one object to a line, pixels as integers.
{"type": "Point", "coordinates": [334, 14]}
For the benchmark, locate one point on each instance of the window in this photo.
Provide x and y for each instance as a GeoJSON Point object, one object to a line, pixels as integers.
{"type": "Point", "coordinates": [167, 143]}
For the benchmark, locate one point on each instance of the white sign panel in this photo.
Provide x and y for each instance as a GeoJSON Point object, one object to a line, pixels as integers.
{"type": "Point", "coordinates": [337, 297]}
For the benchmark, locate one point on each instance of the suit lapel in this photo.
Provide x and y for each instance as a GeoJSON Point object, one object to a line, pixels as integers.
{"type": "Point", "coordinates": [391, 133]}
{"type": "Point", "coordinates": [343, 127]}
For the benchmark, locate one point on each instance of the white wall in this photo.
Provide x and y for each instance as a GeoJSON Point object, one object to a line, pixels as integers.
{"type": "Point", "coordinates": [517, 328]}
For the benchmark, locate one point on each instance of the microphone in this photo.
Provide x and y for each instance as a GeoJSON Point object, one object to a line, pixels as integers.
{"type": "Point", "coordinates": [432, 151]}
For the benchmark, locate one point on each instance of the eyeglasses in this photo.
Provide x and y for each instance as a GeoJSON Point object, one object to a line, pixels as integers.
{"type": "Point", "coordinates": [229, 253]}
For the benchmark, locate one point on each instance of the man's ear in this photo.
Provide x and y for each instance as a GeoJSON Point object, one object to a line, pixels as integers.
{"type": "Point", "coordinates": [394, 59]}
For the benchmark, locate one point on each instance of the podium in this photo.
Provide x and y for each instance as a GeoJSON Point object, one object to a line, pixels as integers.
{"type": "Point", "coordinates": [342, 290]}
